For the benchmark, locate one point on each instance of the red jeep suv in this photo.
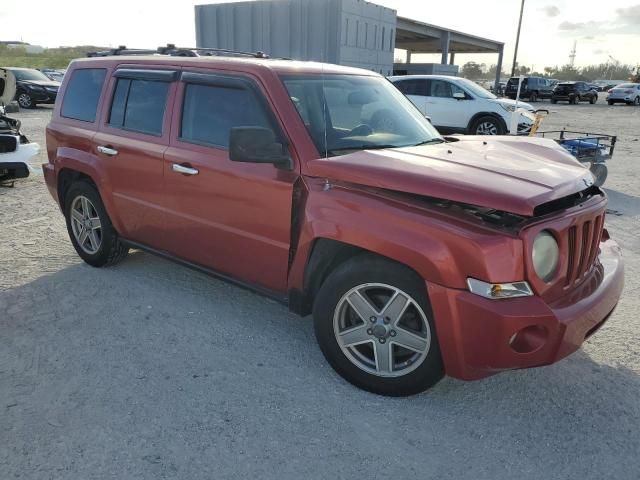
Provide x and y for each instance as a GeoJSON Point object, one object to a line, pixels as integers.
{"type": "Point", "coordinates": [323, 187]}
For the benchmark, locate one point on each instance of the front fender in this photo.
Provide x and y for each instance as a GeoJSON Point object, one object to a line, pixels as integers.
{"type": "Point", "coordinates": [442, 249]}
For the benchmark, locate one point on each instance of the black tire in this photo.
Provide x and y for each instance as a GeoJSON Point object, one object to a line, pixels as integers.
{"type": "Point", "coordinates": [610, 102]}
{"type": "Point", "coordinates": [554, 101]}
{"type": "Point", "coordinates": [366, 269]}
{"type": "Point", "coordinates": [593, 100]}
{"type": "Point", "coordinates": [25, 100]}
{"type": "Point", "coordinates": [111, 250]}
{"type": "Point", "coordinates": [487, 119]}
{"type": "Point", "coordinates": [637, 101]}
{"type": "Point", "coordinates": [533, 97]}
{"type": "Point", "coordinates": [575, 100]}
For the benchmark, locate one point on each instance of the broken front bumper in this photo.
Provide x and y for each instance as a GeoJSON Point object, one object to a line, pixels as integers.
{"type": "Point", "coordinates": [480, 337]}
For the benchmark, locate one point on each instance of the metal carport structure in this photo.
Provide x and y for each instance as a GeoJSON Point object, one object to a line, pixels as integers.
{"type": "Point", "coordinates": [419, 37]}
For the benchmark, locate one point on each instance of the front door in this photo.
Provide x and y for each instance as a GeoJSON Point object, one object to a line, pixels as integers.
{"type": "Point", "coordinates": [231, 217]}
{"type": "Point", "coordinates": [445, 110]}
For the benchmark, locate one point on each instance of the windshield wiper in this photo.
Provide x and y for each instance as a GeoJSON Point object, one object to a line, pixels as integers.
{"type": "Point", "coordinates": [429, 142]}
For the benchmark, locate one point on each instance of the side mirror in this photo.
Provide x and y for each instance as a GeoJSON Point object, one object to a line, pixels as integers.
{"type": "Point", "coordinates": [257, 145]}
{"type": "Point", "coordinates": [428, 119]}
{"type": "Point", "coordinates": [459, 96]}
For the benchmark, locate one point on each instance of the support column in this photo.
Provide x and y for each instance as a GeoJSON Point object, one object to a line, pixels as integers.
{"type": "Point", "coordinates": [408, 56]}
{"type": "Point", "coordinates": [452, 58]}
{"type": "Point", "coordinates": [498, 70]}
{"type": "Point", "coordinates": [444, 46]}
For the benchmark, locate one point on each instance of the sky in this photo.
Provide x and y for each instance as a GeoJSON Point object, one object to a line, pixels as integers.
{"type": "Point", "coordinates": [550, 27]}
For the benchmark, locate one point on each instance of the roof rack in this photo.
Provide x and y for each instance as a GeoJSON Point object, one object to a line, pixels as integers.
{"type": "Point", "coordinates": [172, 50]}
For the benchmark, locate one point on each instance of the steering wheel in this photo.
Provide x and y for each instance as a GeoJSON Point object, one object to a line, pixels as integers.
{"type": "Point", "coordinates": [362, 130]}
{"type": "Point", "coordinates": [384, 121]}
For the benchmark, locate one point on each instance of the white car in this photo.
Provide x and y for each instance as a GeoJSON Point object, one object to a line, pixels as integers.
{"type": "Point", "coordinates": [458, 105]}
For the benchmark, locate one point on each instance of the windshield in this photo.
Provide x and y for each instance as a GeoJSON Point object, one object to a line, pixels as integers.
{"type": "Point", "coordinates": [30, 75]}
{"type": "Point", "coordinates": [343, 113]}
{"type": "Point", "coordinates": [474, 88]}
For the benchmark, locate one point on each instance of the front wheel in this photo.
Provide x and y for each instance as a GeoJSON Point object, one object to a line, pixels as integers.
{"type": "Point", "coordinates": [487, 126]}
{"type": "Point", "coordinates": [610, 102]}
{"type": "Point", "coordinates": [576, 100]}
{"type": "Point", "coordinates": [374, 325]}
{"type": "Point", "coordinates": [593, 100]}
{"type": "Point", "coordinates": [90, 228]}
{"type": "Point", "coordinates": [533, 97]}
{"type": "Point", "coordinates": [554, 101]}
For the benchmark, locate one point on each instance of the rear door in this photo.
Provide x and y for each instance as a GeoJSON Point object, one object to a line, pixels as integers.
{"type": "Point", "coordinates": [231, 217]}
{"type": "Point", "coordinates": [416, 90]}
{"type": "Point", "coordinates": [130, 145]}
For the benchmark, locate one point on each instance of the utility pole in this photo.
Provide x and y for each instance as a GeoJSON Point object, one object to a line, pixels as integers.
{"type": "Point", "coordinates": [515, 54]}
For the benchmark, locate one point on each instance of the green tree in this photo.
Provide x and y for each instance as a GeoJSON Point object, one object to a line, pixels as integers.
{"type": "Point", "coordinates": [473, 70]}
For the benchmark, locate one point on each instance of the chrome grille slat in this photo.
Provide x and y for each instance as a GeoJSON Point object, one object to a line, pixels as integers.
{"type": "Point", "coordinates": [583, 242]}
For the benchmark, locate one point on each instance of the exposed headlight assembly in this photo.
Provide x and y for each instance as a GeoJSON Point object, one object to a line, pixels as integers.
{"type": "Point", "coordinates": [508, 108]}
{"type": "Point", "coordinates": [545, 255]}
{"type": "Point", "coordinates": [496, 291]}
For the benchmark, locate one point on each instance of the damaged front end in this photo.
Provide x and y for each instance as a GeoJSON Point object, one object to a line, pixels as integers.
{"type": "Point", "coordinates": [15, 151]}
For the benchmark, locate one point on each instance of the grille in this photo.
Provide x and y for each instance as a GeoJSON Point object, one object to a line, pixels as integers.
{"type": "Point", "coordinates": [584, 241]}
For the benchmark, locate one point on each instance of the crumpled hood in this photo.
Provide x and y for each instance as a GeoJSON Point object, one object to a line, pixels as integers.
{"type": "Point", "coordinates": [504, 173]}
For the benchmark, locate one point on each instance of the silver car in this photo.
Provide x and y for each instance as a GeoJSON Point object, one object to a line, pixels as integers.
{"type": "Point", "coordinates": [628, 93]}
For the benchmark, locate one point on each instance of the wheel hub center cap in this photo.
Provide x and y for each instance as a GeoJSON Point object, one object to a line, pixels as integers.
{"type": "Point", "coordinates": [380, 331]}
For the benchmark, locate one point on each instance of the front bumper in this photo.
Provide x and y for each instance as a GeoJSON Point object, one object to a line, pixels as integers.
{"type": "Point", "coordinates": [480, 337]}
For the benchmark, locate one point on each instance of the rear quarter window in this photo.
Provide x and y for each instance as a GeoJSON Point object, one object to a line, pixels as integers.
{"type": "Point", "coordinates": [83, 94]}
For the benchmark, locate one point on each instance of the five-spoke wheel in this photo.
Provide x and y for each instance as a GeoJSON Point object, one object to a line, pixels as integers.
{"type": "Point", "coordinates": [374, 325]}
{"type": "Point", "coordinates": [85, 224]}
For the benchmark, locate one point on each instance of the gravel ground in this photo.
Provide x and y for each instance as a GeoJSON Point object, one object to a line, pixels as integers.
{"type": "Point", "coordinates": [150, 370]}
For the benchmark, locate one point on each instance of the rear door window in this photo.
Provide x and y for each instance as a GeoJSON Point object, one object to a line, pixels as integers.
{"type": "Point", "coordinates": [83, 94]}
{"type": "Point", "coordinates": [413, 87]}
{"type": "Point", "coordinates": [139, 105]}
{"type": "Point", "coordinates": [210, 112]}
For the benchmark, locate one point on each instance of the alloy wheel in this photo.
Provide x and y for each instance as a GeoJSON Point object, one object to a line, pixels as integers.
{"type": "Point", "coordinates": [382, 330]}
{"type": "Point", "coordinates": [24, 100]}
{"type": "Point", "coordinates": [487, 128]}
{"type": "Point", "coordinates": [86, 225]}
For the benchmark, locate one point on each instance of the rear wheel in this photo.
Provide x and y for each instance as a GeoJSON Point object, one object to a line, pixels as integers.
{"type": "Point", "coordinates": [637, 101]}
{"type": "Point", "coordinates": [90, 228]}
{"type": "Point", "coordinates": [554, 101]}
{"type": "Point", "coordinates": [533, 97]}
{"type": "Point", "coordinates": [575, 100]}
{"type": "Point", "coordinates": [25, 101]}
{"type": "Point", "coordinates": [374, 325]}
{"type": "Point", "coordinates": [610, 102]}
{"type": "Point", "coordinates": [593, 100]}
{"type": "Point", "coordinates": [487, 125]}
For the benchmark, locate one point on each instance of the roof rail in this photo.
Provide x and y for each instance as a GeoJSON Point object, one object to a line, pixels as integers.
{"type": "Point", "coordinates": [172, 50]}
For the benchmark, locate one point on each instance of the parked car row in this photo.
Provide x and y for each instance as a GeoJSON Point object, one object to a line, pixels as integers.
{"type": "Point", "coordinates": [574, 92]}
{"type": "Point", "coordinates": [33, 87]}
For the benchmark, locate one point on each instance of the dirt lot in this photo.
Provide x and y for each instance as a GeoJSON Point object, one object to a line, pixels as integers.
{"type": "Point", "coordinates": [150, 370]}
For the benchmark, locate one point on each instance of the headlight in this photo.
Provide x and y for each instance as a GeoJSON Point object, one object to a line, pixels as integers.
{"type": "Point", "coordinates": [508, 108]}
{"type": "Point", "coordinates": [496, 291]}
{"type": "Point", "coordinates": [546, 254]}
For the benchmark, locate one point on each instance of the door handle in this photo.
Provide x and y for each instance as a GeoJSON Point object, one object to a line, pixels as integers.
{"type": "Point", "coordinates": [112, 152]}
{"type": "Point", "coordinates": [184, 170]}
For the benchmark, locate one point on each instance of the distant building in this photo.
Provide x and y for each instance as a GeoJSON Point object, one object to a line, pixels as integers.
{"type": "Point", "coordinates": [346, 32]}
{"type": "Point", "coordinates": [32, 49]}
